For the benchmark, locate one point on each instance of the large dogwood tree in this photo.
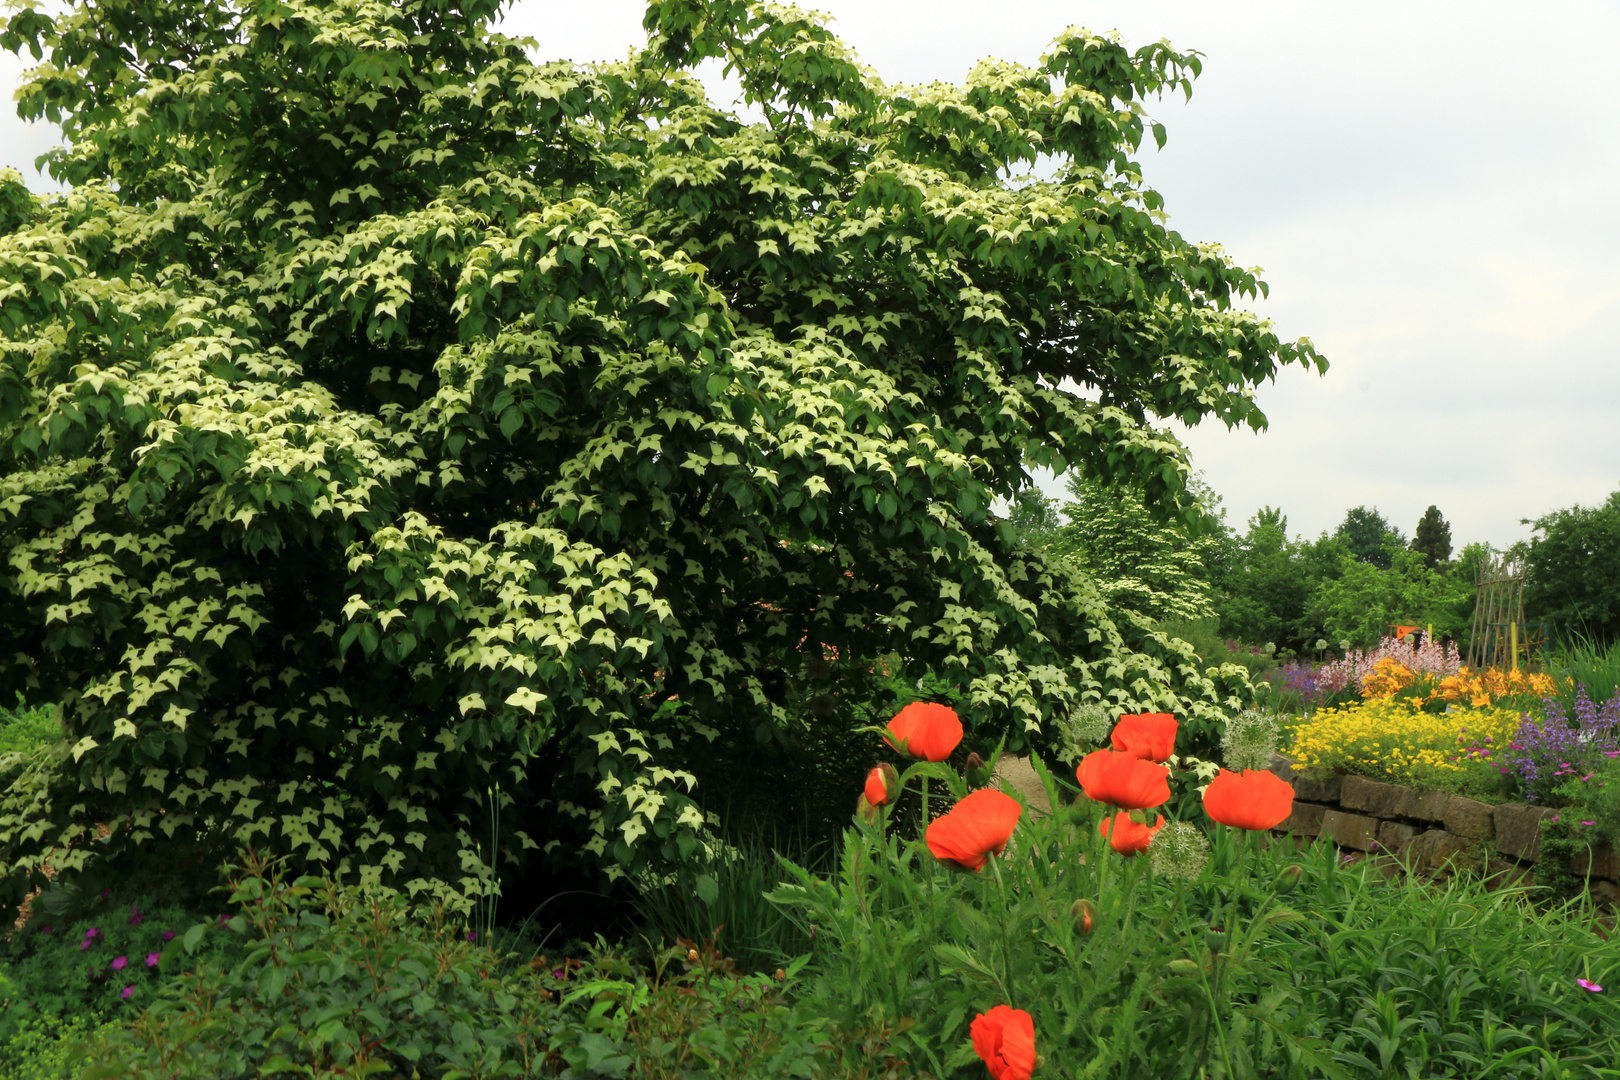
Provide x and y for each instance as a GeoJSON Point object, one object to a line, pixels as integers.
{"type": "Point", "coordinates": [390, 422]}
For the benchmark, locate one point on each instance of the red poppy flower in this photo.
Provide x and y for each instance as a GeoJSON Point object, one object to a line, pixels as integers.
{"type": "Point", "coordinates": [1004, 1039]}
{"type": "Point", "coordinates": [879, 782]}
{"type": "Point", "coordinates": [1126, 836]}
{"type": "Point", "coordinates": [925, 730]}
{"type": "Point", "coordinates": [1255, 800]}
{"type": "Point", "coordinates": [1150, 736]}
{"type": "Point", "coordinates": [1124, 780]}
{"type": "Point", "coordinates": [976, 827]}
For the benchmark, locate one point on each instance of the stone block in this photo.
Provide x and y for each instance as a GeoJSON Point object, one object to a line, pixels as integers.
{"type": "Point", "coordinates": [1501, 873]}
{"type": "Point", "coordinates": [1394, 836]}
{"type": "Point", "coordinates": [1469, 818]}
{"type": "Point", "coordinates": [1318, 785]}
{"type": "Point", "coordinates": [1434, 849]}
{"type": "Point", "coordinates": [1015, 775]}
{"type": "Point", "coordinates": [1426, 805]}
{"type": "Point", "coordinates": [1283, 767]}
{"type": "Point", "coordinates": [1371, 796]}
{"type": "Point", "coordinates": [1598, 861]}
{"type": "Point", "coordinates": [1354, 831]}
{"type": "Point", "coordinates": [1518, 830]}
{"type": "Point", "coordinates": [1305, 820]}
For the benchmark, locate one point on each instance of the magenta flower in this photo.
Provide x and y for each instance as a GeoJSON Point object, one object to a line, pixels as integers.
{"type": "Point", "coordinates": [106, 893]}
{"type": "Point", "coordinates": [1588, 984]}
{"type": "Point", "coordinates": [135, 917]}
{"type": "Point", "coordinates": [127, 992]}
{"type": "Point", "coordinates": [120, 963]}
{"type": "Point", "coordinates": [152, 959]}
{"type": "Point", "coordinates": [472, 935]}
{"type": "Point", "coordinates": [1588, 823]}
{"type": "Point", "coordinates": [46, 929]}
{"type": "Point", "coordinates": [168, 935]}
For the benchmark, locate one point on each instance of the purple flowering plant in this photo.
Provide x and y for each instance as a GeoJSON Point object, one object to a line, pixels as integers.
{"type": "Point", "coordinates": [1563, 744]}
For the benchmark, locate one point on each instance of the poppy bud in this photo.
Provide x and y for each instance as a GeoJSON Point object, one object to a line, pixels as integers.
{"type": "Point", "coordinates": [1287, 878]}
{"type": "Point", "coordinates": [974, 771]}
{"type": "Point", "coordinates": [865, 810]}
{"type": "Point", "coordinates": [1084, 914]}
{"type": "Point", "coordinates": [882, 784]}
{"type": "Point", "coordinates": [1183, 967]}
{"type": "Point", "coordinates": [1215, 940]}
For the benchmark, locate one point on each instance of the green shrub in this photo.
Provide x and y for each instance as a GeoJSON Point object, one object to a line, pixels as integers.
{"type": "Point", "coordinates": [39, 1049]}
{"type": "Point", "coordinates": [87, 956]}
{"type": "Point", "coordinates": [335, 983]}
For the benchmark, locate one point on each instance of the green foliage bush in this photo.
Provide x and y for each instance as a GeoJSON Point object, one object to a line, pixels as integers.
{"type": "Point", "coordinates": [346, 470]}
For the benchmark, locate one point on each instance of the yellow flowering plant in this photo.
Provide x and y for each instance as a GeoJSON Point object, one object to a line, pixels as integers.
{"type": "Point", "coordinates": [1481, 689]}
{"type": "Point", "coordinates": [1394, 739]}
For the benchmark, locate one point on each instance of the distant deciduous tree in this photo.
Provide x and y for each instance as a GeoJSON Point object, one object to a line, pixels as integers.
{"type": "Point", "coordinates": [1572, 570]}
{"type": "Point", "coordinates": [1369, 537]}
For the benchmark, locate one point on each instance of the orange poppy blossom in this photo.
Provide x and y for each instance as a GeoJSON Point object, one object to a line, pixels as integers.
{"type": "Point", "coordinates": [1004, 1039]}
{"type": "Point", "coordinates": [1128, 837]}
{"type": "Point", "coordinates": [1257, 799]}
{"type": "Point", "coordinates": [1124, 781]}
{"type": "Point", "coordinates": [975, 828]}
{"type": "Point", "coordinates": [925, 729]}
{"type": "Point", "coordinates": [1149, 736]}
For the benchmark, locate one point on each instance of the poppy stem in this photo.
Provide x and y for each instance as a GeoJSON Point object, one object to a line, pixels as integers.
{"type": "Point", "coordinates": [1006, 946]}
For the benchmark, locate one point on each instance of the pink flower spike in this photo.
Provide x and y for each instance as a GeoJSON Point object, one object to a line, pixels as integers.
{"type": "Point", "coordinates": [1589, 985]}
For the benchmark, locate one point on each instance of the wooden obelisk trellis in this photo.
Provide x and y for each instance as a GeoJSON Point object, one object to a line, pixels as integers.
{"type": "Point", "coordinates": [1498, 611]}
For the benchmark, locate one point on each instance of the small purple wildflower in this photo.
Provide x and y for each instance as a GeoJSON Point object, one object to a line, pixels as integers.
{"type": "Point", "coordinates": [472, 935]}
{"type": "Point", "coordinates": [1589, 985]}
{"type": "Point", "coordinates": [152, 959]}
{"type": "Point", "coordinates": [46, 929]}
{"type": "Point", "coordinates": [105, 893]}
{"type": "Point", "coordinates": [120, 963]}
{"type": "Point", "coordinates": [168, 935]}
{"type": "Point", "coordinates": [135, 916]}
{"type": "Point", "coordinates": [1588, 823]}
{"type": "Point", "coordinates": [127, 992]}
{"type": "Point", "coordinates": [91, 937]}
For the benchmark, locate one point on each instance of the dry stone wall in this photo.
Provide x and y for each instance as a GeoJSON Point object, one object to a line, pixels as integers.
{"type": "Point", "coordinates": [1430, 831]}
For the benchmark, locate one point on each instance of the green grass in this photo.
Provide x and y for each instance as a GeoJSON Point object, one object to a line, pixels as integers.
{"type": "Point", "coordinates": [1587, 663]}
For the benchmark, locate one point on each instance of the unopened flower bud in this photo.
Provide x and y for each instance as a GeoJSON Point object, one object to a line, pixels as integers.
{"type": "Point", "coordinates": [865, 810]}
{"type": "Point", "coordinates": [780, 975]}
{"type": "Point", "coordinates": [1084, 914]}
{"type": "Point", "coordinates": [1215, 940]}
{"type": "Point", "coordinates": [882, 784]}
{"type": "Point", "coordinates": [1287, 879]}
{"type": "Point", "coordinates": [691, 956]}
{"type": "Point", "coordinates": [1183, 967]}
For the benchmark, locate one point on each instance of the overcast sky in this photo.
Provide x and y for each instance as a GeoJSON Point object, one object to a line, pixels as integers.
{"type": "Point", "coordinates": [1429, 187]}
